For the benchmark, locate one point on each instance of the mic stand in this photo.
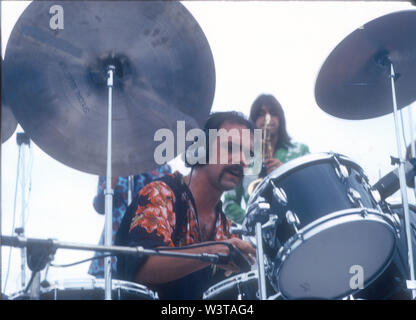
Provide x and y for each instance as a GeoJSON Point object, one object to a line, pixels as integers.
{"type": "Point", "coordinates": [411, 284]}
{"type": "Point", "coordinates": [108, 236]}
{"type": "Point", "coordinates": [260, 261]}
{"type": "Point", "coordinates": [41, 252]}
{"type": "Point", "coordinates": [258, 215]}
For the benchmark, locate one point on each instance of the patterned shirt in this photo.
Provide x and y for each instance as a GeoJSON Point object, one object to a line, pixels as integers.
{"type": "Point", "coordinates": [164, 214]}
{"type": "Point", "coordinates": [233, 199]}
{"type": "Point", "coordinates": [120, 199]}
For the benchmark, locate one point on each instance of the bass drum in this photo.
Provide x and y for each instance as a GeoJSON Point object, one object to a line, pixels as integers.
{"type": "Point", "coordinates": [91, 289]}
{"type": "Point", "coordinates": [391, 284]}
{"type": "Point", "coordinates": [328, 225]}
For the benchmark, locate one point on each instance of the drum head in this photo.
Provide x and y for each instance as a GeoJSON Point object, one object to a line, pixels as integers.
{"type": "Point", "coordinates": [336, 256]}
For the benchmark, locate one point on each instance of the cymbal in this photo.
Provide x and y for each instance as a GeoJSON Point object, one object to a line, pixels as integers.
{"type": "Point", "coordinates": [56, 79]}
{"type": "Point", "coordinates": [8, 121]}
{"type": "Point", "coordinates": [354, 81]}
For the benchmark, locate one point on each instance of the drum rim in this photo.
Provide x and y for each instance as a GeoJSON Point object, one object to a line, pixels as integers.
{"type": "Point", "coordinates": [300, 162]}
{"type": "Point", "coordinates": [228, 283]}
{"type": "Point", "coordinates": [73, 284]}
{"type": "Point", "coordinates": [325, 223]}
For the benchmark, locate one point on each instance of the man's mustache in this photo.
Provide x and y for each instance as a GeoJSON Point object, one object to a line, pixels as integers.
{"type": "Point", "coordinates": [234, 169]}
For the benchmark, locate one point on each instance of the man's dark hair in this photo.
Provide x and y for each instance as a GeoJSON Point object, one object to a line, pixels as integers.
{"type": "Point", "coordinates": [275, 109]}
{"type": "Point", "coordinates": [216, 121]}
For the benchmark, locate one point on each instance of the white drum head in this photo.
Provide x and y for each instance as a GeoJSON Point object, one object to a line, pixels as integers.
{"type": "Point", "coordinates": [328, 263]}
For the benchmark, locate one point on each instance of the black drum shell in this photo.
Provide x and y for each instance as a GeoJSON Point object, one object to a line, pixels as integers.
{"type": "Point", "coordinates": [391, 284]}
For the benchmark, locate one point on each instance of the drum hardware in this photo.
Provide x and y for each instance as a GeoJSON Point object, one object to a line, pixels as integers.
{"type": "Point", "coordinates": [23, 142]}
{"type": "Point", "coordinates": [279, 194]}
{"type": "Point", "coordinates": [257, 215]}
{"type": "Point", "coordinates": [90, 289]}
{"type": "Point", "coordinates": [294, 221]}
{"type": "Point", "coordinates": [355, 198]}
{"type": "Point", "coordinates": [384, 45]}
{"type": "Point", "coordinates": [340, 170]}
{"type": "Point", "coordinates": [241, 287]}
{"type": "Point", "coordinates": [260, 261]}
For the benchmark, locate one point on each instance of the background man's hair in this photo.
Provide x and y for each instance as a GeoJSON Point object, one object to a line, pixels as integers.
{"type": "Point", "coordinates": [275, 109]}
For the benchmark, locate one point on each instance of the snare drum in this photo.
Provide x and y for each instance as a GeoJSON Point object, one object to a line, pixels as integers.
{"type": "Point", "coordinates": [92, 289]}
{"type": "Point", "coordinates": [329, 228]}
{"type": "Point", "coordinates": [240, 287]}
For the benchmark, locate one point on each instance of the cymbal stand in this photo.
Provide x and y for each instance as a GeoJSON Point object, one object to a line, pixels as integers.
{"type": "Point", "coordinates": [23, 141]}
{"type": "Point", "coordinates": [411, 284]}
{"type": "Point", "coordinates": [108, 190]}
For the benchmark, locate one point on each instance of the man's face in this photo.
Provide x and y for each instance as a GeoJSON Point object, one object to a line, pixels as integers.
{"type": "Point", "coordinates": [224, 173]}
{"type": "Point", "coordinates": [274, 121]}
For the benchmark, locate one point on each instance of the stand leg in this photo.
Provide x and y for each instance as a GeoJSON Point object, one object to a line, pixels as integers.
{"type": "Point", "coordinates": [260, 262]}
{"type": "Point", "coordinates": [402, 178]}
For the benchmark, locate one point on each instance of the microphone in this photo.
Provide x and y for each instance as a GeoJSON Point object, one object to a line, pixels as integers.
{"type": "Point", "coordinates": [390, 183]}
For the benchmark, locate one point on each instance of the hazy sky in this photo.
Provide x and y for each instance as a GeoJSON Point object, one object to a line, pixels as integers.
{"type": "Point", "coordinates": [258, 47]}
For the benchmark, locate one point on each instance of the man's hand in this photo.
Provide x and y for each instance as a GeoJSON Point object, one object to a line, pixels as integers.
{"type": "Point", "coordinates": [245, 248]}
{"type": "Point", "coordinates": [272, 164]}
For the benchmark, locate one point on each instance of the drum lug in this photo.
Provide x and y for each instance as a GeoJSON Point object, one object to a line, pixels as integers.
{"type": "Point", "coordinates": [341, 170]}
{"type": "Point", "coordinates": [294, 221]}
{"type": "Point", "coordinates": [279, 194]}
{"type": "Point", "coordinates": [355, 197]}
{"type": "Point", "coordinates": [270, 231]}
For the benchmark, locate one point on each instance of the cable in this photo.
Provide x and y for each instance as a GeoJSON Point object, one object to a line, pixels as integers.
{"type": "Point", "coordinates": [14, 219]}
{"type": "Point", "coordinates": [32, 277]}
{"type": "Point", "coordinates": [403, 133]}
{"type": "Point", "coordinates": [198, 245]}
{"type": "Point", "coordinates": [81, 261]}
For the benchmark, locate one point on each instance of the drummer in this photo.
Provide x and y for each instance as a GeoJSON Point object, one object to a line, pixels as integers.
{"type": "Point", "coordinates": [178, 211]}
{"type": "Point", "coordinates": [283, 149]}
{"type": "Point", "coordinates": [120, 204]}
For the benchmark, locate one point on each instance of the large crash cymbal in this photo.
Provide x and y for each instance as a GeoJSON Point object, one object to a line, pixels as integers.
{"type": "Point", "coordinates": [8, 121]}
{"type": "Point", "coordinates": [354, 81]}
{"type": "Point", "coordinates": [56, 79]}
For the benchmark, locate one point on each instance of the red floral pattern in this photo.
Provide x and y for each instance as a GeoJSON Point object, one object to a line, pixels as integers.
{"type": "Point", "coordinates": [156, 214]}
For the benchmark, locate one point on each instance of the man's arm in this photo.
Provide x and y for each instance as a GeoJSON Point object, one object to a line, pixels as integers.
{"type": "Point", "coordinates": [161, 269]}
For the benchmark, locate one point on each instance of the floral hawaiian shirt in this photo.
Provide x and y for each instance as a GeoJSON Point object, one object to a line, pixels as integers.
{"type": "Point", "coordinates": [164, 214]}
{"type": "Point", "coordinates": [119, 208]}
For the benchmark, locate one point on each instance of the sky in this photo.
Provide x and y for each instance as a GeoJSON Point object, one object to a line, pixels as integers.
{"type": "Point", "coordinates": [258, 47]}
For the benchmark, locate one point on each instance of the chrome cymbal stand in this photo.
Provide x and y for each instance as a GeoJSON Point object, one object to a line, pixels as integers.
{"type": "Point", "coordinates": [23, 141]}
{"type": "Point", "coordinates": [411, 284]}
{"type": "Point", "coordinates": [109, 193]}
